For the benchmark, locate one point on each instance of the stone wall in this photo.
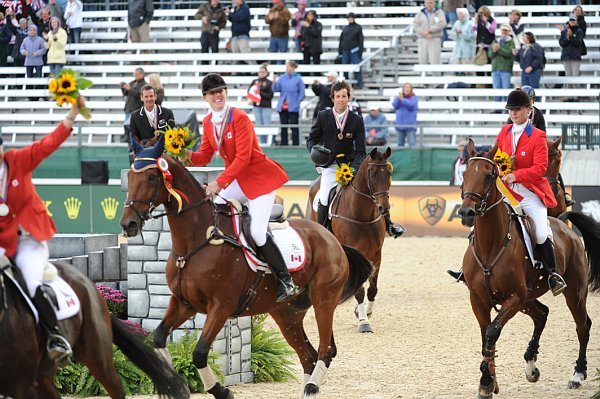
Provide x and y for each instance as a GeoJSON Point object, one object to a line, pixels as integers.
{"type": "Point", "coordinates": [148, 293]}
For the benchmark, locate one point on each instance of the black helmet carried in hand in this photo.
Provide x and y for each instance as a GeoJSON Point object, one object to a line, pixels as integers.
{"type": "Point", "coordinates": [212, 81]}
{"type": "Point", "coordinates": [320, 155]}
{"type": "Point", "coordinates": [529, 90]}
{"type": "Point", "coordinates": [517, 99]}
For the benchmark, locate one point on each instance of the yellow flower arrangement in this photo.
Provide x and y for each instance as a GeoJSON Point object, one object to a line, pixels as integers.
{"type": "Point", "coordinates": [504, 161]}
{"type": "Point", "coordinates": [65, 89]}
{"type": "Point", "coordinates": [177, 140]}
{"type": "Point", "coordinates": [344, 174]}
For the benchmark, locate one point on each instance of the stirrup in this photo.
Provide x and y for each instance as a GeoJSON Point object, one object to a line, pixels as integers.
{"type": "Point", "coordinates": [58, 347]}
{"type": "Point", "coordinates": [559, 283]}
{"type": "Point", "coordinates": [286, 291]}
{"type": "Point", "coordinates": [458, 276]}
{"type": "Point", "coordinates": [396, 230]}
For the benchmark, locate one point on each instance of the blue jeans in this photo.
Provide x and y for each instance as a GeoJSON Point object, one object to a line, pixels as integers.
{"type": "Point", "coordinates": [501, 80]}
{"type": "Point", "coordinates": [278, 45]}
{"type": "Point", "coordinates": [406, 134]}
{"type": "Point", "coordinates": [349, 57]}
{"type": "Point", "coordinates": [55, 68]}
{"type": "Point", "coordinates": [289, 118]}
{"type": "Point", "coordinates": [532, 79]}
{"type": "Point", "coordinates": [451, 18]}
{"type": "Point", "coordinates": [262, 117]}
{"type": "Point", "coordinates": [75, 35]}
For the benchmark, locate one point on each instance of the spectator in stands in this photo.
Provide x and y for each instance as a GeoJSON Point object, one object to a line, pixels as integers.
{"type": "Point", "coordinates": [56, 11]}
{"type": "Point", "coordinates": [459, 165]}
{"type": "Point", "coordinates": [291, 89]}
{"type": "Point", "coordinates": [74, 19]}
{"type": "Point", "coordinates": [42, 22]}
{"type": "Point", "coordinates": [297, 23]}
{"type": "Point", "coordinates": [150, 118]}
{"type": "Point", "coordinates": [323, 91]}
{"type": "Point", "coordinates": [33, 49]}
{"type": "Point", "coordinates": [278, 19]}
{"type": "Point", "coordinates": [450, 7]}
{"type": "Point", "coordinates": [239, 17]}
{"type": "Point", "coordinates": [56, 41]}
{"type": "Point", "coordinates": [351, 47]}
{"type": "Point", "coordinates": [501, 54]}
{"type": "Point", "coordinates": [536, 116]}
{"type": "Point", "coordinates": [261, 89]}
{"type": "Point", "coordinates": [517, 27]}
{"type": "Point", "coordinates": [20, 32]}
{"type": "Point", "coordinates": [154, 81]}
{"type": "Point", "coordinates": [485, 26]}
{"type": "Point", "coordinates": [578, 11]}
{"type": "Point", "coordinates": [428, 25]}
{"type": "Point", "coordinates": [139, 15]}
{"type": "Point", "coordinates": [376, 129]}
{"type": "Point", "coordinates": [531, 59]}
{"type": "Point", "coordinates": [213, 19]}
{"type": "Point", "coordinates": [312, 39]}
{"type": "Point", "coordinates": [571, 40]}
{"type": "Point", "coordinates": [5, 38]}
{"type": "Point", "coordinates": [462, 33]}
{"type": "Point", "coordinates": [133, 92]}
{"type": "Point", "coordinates": [406, 105]}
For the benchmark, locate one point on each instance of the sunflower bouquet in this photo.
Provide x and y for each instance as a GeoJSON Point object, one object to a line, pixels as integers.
{"type": "Point", "coordinates": [177, 140]}
{"type": "Point", "coordinates": [344, 174]}
{"type": "Point", "coordinates": [504, 161]}
{"type": "Point", "coordinates": [65, 89]}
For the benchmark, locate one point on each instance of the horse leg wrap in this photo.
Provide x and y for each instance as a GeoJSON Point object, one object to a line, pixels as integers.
{"type": "Point", "coordinates": [369, 309]}
{"type": "Point", "coordinates": [318, 374]}
{"type": "Point", "coordinates": [208, 378]}
{"type": "Point", "coordinates": [305, 379]}
{"type": "Point", "coordinates": [492, 333]}
{"type": "Point", "coordinates": [361, 312]}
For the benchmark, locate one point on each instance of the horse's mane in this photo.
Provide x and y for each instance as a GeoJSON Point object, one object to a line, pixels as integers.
{"type": "Point", "coordinates": [181, 169]}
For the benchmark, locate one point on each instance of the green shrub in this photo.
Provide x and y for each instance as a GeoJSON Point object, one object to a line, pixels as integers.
{"type": "Point", "coordinates": [270, 354]}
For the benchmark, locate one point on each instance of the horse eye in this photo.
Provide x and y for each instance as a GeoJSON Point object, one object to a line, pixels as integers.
{"type": "Point", "coordinates": [152, 177]}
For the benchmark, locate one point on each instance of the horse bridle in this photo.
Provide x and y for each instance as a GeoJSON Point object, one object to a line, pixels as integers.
{"type": "Point", "coordinates": [483, 198]}
{"type": "Point", "coordinates": [553, 180]}
{"type": "Point", "coordinates": [371, 195]}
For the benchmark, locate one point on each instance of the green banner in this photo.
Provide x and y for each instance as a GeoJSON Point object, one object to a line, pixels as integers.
{"type": "Point", "coordinates": [84, 209]}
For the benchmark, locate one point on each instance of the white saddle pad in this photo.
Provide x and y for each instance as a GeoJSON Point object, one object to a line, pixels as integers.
{"type": "Point", "coordinates": [287, 240]}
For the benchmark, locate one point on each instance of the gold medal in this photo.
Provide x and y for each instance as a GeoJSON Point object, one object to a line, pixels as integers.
{"type": "Point", "coordinates": [3, 209]}
{"type": "Point", "coordinates": [340, 135]}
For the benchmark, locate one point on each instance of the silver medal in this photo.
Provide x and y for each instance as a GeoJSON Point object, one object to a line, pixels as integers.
{"type": "Point", "coordinates": [3, 209]}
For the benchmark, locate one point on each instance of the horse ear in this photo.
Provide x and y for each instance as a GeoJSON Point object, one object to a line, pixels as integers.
{"type": "Point", "coordinates": [388, 152]}
{"type": "Point", "coordinates": [373, 153]}
{"type": "Point", "coordinates": [554, 144]}
{"type": "Point", "coordinates": [471, 148]}
{"type": "Point", "coordinates": [492, 152]}
{"type": "Point", "coordinates": [135, 144]}
{"type": "Point", "coordinates": [558, 140]}
{"type": "Point", "coordinates": [159, 147]}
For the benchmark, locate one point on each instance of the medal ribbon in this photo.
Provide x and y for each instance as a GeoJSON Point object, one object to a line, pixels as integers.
{"type": "Point", "coordinates": [340, 121]}
{"type": "Point", "coordinates": [221, 133]}
{"type": "Point", "coordinates": [3, 183]}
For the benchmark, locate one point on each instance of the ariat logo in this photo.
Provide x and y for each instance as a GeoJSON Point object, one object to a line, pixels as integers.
{"type": "Point", "coordinates": [47, 205]}
{"type": "Point", "coordinates": [109, 207]}
{"type": "Point", "coordinates": [432, 208]}
{"type": "Point", "coordinates": [72, 206]}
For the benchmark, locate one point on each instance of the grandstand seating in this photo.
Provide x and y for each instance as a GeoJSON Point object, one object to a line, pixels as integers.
{"type": "Point", "coordinates": [445, 115]}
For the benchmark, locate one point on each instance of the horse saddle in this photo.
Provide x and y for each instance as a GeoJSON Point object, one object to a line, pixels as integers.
{"type": "Point", "coordinates": [285, 237]}
{"type": "Point", "coordinates": [334, 192]}
{"type": "Point", "coordinates": [527, 229]}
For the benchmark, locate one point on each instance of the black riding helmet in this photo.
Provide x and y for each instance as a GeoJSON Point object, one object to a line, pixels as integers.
{"type": "Point", "coordinates": [517, 99]}
{"type": "Point", "coordinates": [320, 155]}
{"type": "Point", "coordinates": [212, 81]}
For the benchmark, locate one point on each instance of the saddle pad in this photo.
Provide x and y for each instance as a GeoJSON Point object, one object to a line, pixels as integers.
{"type": "Point", "coordinates": [527, 237]}
{"type": "Point", "coordinates": [287, 240]}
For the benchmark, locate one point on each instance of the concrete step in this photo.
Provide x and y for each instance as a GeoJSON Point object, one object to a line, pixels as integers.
{"type": "Point", "coordinates": [67, 245]}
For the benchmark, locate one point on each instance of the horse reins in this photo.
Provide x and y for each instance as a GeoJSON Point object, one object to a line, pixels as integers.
{"type": "Point", "coordinates": [483, 208]}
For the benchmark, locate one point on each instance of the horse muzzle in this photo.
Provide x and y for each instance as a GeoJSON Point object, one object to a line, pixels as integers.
{"type": "Point", "coordinates": [131, 227]}
{"type": "Point", "coordinates": [467, 216]}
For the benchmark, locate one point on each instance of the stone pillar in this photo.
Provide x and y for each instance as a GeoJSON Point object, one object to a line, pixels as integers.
{"type": "Point", "coordinates": [148, 293]}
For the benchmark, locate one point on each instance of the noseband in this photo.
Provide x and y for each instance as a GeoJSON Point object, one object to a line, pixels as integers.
{"type": "Point", "coordinates": [483, 198]}
{"type": "Point", "coordinates": [151, 206]}
{"type": "Point", "coordinates": [371, 195]}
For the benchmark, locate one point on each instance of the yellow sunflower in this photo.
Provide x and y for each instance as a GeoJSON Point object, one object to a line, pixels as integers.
{"type": "Point", "coordinates": [344, 174]}
{"type": "Point", "coordinates": [53, 86]}
{"type": "Point", "coordinates": [504, 162]}
{"type": "Point", "coordinates": [66, 83]}
{"type": "Point", "coordinates": [62, 99]}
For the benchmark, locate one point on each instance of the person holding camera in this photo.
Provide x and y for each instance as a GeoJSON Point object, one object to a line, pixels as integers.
{"type": "Point", "coordinates": [132, 92]}
{"type": "Point", "coordinates": [212, 15]}
{"type": "Point", "coordinates": [56, 41]}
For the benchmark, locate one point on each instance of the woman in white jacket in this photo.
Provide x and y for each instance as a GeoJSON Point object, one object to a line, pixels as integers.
{"type": "Point", "coordinates": [74, 19]}
{"type": "Point", "coordinates": [56, 41]}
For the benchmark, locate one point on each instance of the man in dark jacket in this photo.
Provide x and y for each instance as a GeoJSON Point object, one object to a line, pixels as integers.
{"type": "Point", "coordinates": [240, 26]}
{"type": "Point", "coordinates": [139, 14]}
{"type": "Point", "coordinates": [323, 91]}
{"type": "Point", "coordinates": [150, 118]}
{"type": "Point", "coordinates": [312, 38]}
{"type": "Point", "coordinates": [213, 19]}
{"type": "Point", "coordinates": [571, 41]}
{"type": "Point", "coordinates": [5, 37]}
{"type": "Point", "coordinates": [351, 47]}
{"type": "Point", "coordinates": [278, 19]}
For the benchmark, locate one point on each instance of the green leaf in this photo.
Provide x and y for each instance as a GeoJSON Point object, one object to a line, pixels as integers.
{"type": "Point", "coordinates": [83, 83]}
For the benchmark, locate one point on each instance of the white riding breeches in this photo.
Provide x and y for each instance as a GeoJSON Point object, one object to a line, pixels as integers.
{"type": "Point", "coordinates": [32, 256]}
{"type": "Point", "coordinates": [536, 211]}
{"type": "Point", "coordinates": [327, 183]}
{"type": "Point", "coordinates": [259, 209]}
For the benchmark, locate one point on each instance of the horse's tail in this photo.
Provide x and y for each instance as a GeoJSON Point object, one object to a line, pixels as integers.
{"type": "Point", "coordinates": [166, 380]}
{"type": "Point", "coordinates": [360, 270]}
{"type": "Point", "coordinates": [590, 231]}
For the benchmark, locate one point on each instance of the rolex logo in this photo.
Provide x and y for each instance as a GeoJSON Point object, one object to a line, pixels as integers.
{"type": "Point", "coordinates": [72, 206]}
{"type": "Point", "coordinates": [47, 205]}
{"type": "Point", "coordinates": [109, 207]}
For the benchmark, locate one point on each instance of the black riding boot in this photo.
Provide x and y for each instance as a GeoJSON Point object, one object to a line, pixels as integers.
{"type": "Point", "coordinates": [568, 198]}
{"type": "Point", "coordinates": [458, 276]}
{"type": "Point", "coordinates": [273, 257]}
{"type": "Point", "coordinates": [393, 229]}
{"type": "Point", "coordinates": [322, 213]}
{"type": "Point", "coordinates": [555, 281]}
{"type": "Point", "coordinates": [58, 347]}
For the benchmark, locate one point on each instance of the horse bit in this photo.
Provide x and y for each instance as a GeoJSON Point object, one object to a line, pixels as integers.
{"type": "Point", "coordinates": [483, 208]}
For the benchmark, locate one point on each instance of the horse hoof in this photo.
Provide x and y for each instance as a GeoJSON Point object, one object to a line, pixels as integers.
{"type": "Point", "coordinates": [574, 385]}
{"type": "Point", "coordinates": [365, 328]}
{"type": "Point", "coordinates": [310, 391]}
{"type": "Point", "coordinates": [534, 376]}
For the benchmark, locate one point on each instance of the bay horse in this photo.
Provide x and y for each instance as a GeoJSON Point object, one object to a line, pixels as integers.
{"type": "Point", "coordinates": [27, 373]}
{"type": "Point", "coordinates": [357, 219]}
{"type": "Point", "coordinates": [498, 271]}
{"type": "Point", "coordinates": [213, 279]}
{"type": "Point", "coordinates": [554, 164]}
